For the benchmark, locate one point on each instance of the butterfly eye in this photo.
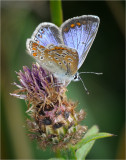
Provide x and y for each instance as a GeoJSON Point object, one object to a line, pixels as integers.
{"type": "Point", "coordinates": [75, 76]}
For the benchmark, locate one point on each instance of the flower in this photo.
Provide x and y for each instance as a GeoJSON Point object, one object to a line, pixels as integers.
{"type": "Point", "coordinates": [53, 119]}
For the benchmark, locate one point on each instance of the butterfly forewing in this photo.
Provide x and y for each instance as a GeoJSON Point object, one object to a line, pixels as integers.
{"type": "Point", "coordinates": [79, 33]}
{"type": "Point", "coordinates": [46, 34]}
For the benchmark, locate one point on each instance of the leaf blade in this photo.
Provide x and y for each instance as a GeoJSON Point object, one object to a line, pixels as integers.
{"type": "Point", "coordinates": [88, 141]}
{"type": "Point", "coordinates": [93, 137]}
{"type": "Point", "coordinates": [82, 152]}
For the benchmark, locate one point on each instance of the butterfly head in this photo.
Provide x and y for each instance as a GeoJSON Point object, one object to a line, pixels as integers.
{"type": "Point", "coordinates": [76, 77]}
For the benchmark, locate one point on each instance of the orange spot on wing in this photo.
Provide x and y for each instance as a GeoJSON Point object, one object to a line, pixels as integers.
{"type": "Point", "coordinates": [42, 46]}
{"type": "Point", "coordinates": [52, 49]}
{"type": "Point", "coordinates": [72, 25]}
{"type": "Point", "coordinates": [33, 48]}
{"type": "Point", "coordinates": [34, 44]}
{"type": "Point", "coordinates": [61, 48]}
{"type": "Point", "coordinates": [34, 54]}
{"type": "Point", "coordinates": [56, 47]}
{"type": "Point", "coordinates": [66, 29]}
{"type": "Point", "coordinates": [78, 24]}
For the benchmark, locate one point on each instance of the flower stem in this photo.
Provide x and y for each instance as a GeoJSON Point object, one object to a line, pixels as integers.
{"type": "Point", "coordinates": [56, 12]}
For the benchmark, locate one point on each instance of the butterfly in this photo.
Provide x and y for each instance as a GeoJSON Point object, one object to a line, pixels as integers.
{"type": "Point", "coordinates": [62, 50]}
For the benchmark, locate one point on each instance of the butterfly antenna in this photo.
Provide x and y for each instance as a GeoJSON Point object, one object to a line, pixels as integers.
{"type": "Point", "coordinates": [84, 85]}
{"type": "Point", "coordinates": [91, 73]}
{"type": "Point", "coordinates": [83, 82]}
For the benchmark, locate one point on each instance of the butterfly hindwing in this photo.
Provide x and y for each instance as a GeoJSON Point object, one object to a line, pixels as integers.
{"type": "Point", "coordinates": [46, 34]}
{"type": "Point", "coordinates": [34, 49]}
{"type": "Point", "coordinates": [79, 33]}
{"type": "Point", "coordinates": [54, 58]}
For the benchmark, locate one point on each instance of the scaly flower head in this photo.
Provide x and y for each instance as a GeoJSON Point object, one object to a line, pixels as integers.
{"type": "Point", "coordinates": [53, 119]}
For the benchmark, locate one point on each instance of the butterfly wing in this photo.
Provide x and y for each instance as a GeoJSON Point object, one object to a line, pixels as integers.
{"type": "Point", "coordinates": [46, 34]}
{"type": "Point", "coordinates": [42, 55]}
{"type": "Point", "coordinates": [57, 59]}
{"type": "Point", "coordinates": [79, 33]}
{"type": "Point", "coordinates": [34, 49]}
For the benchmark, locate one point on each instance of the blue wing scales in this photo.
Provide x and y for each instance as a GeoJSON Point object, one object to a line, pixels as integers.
{"type": "Point", "coordinates": [79, 33]}
{"type": "Point", "coordinates": [46, 34]}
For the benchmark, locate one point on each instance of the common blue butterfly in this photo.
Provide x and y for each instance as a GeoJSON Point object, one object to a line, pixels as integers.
{"type": "Point", "coordinates": [63, 50]}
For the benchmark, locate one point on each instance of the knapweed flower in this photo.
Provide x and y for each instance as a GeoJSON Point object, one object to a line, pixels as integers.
{"type": "Point", "coordinates": [53, 119]}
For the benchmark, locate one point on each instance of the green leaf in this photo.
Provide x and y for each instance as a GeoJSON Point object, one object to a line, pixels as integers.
{"type": "Point", "coordinates": [85, 145]}
{"type": "Point", "coordinates": [93, 137]}
{"type": "Point", "coordinates": [56, 12]}
{"type": "Point", "coordinates": [84, 150]}
{"type": "Point", "coordinates": [94, 129]}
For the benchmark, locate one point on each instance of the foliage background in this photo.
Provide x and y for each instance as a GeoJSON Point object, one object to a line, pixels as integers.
{"type": "Point", "coordinates": [105, 104]}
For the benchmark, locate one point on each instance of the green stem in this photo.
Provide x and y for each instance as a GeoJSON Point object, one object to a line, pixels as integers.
{"type": "Point", "coordinates": [66, 154]}
{"type": "Point", "coordinates": [56, 12]}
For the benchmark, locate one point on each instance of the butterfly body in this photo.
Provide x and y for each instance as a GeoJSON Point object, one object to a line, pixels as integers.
{"type": "Point", "coordinates": [63, 50]}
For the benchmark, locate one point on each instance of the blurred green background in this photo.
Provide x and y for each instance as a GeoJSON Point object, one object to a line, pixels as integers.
{"type": "Point", "coordinates": [105, 106]}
